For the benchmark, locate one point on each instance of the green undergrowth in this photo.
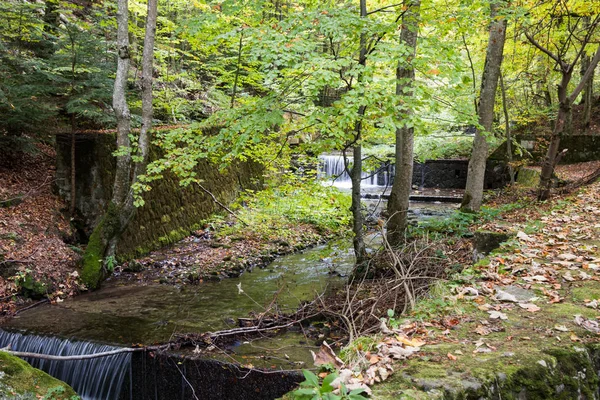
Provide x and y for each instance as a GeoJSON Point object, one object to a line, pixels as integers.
{"type": "Point", "coordinates": [20, 381]}
{"type": "Point", "coordinates": [300, 210]}
{"type": "Point", "coordinates": [441, 145]}
{"type": "Point", "coordinates": [459, 223]}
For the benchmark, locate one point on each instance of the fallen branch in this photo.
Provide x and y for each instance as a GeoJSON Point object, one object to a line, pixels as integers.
{"type": "Point", "coordinates": [205, 190]}
{"type": "Point", "coordinates": [588, 180]}
{"type": "Point", "coordinates": [30, 192]}
{"type": "Point", "coordinates": [53, 357]}
{"type": "Point", "coordinates": [31, 306]}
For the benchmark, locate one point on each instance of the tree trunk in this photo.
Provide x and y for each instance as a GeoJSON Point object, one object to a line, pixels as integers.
{"type": "Point", "coordinates": [103, 241]}
{"type": "Point", "coordinates": [73, 201]}
{"type": "Point", "coordinates": [357, 214]}
{"type": "Point", "coordinates": [122, 113]}
{"type": "Point", "coordinates": [587, 96]}
{"type": "Point", "coordinates": [405, 76]}
{"type": "Point", "coordinates": [493, 60]}
{"type": "Point", "coordinates": [564, 109]}
{"type": "Point", "coordinates": [509, 150]}
{"type": "Point", "coordinates": [147, 79]}
{"type": "Point", "coordinates": [356, 172]}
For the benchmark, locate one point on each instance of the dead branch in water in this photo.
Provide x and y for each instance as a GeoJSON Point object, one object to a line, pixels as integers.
{"type": "Point", "coordinates": [53, 357]}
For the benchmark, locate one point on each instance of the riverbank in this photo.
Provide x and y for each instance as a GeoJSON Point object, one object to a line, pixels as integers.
{"type": "Point", "coordinates": [520, 323]}
{"type": "Point", "coordinates": [39, 253]}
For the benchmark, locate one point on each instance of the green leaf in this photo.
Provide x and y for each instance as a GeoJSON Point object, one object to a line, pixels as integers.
{"type": "Point", "coordinates": [311, 378]}
{"type": "Point", "coordinates": [326, 386]}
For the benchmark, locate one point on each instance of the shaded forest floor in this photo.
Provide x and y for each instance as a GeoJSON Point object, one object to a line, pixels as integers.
{"type": "Point", "coordinates": [530, 308]}
{"type": "Point", "coordinates": [33, 231]}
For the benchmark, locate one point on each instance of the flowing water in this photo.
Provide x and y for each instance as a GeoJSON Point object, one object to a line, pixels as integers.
{"type": "Point", "coordinates": [94, 379]}
{"type": "Point", "coordinates": [122, 314]}
{"type": "Point", "coordinates": [125, 315]}
{"type": "Point", "coordinates": [334, 166]}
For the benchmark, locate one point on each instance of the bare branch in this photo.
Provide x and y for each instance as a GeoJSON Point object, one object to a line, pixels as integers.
{"type": "Point", "coordinates": [223, 206]}
{"type": "Point", "coordinates": [543, 49]}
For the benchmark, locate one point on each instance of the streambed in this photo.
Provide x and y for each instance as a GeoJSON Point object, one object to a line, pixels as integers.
{"type": "Point", "coordinates": [123, 314]}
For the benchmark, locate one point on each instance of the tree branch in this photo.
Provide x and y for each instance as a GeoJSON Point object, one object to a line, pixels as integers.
{"type": "Point", "coordinates": [205, 190]}
{"type": "Point", "coordinates": [53, 357]}
{"type": "Point", "coordinates": [586, 77]}
{"type": "Point", "coordinates": [384, 8]}
{"type": "Point", "coordinates": [543, 49]}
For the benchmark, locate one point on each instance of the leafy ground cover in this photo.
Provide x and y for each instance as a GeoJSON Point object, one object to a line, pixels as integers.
{"type": "Point", "coordinates": [522, 321]}
{"type": "Point", "coordinates": [34, 258]}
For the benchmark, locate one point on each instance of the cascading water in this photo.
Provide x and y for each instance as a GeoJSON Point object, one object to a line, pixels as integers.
{"type": "Point", "coordinates": [333, 166]}
{"type": "Point", "coordinates": [93, 379]}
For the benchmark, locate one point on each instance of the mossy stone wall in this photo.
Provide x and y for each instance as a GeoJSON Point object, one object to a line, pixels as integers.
{"type": "Point", "coordinates": [171, 211]}
{"type": "Point", "coordinates": [581, 148]}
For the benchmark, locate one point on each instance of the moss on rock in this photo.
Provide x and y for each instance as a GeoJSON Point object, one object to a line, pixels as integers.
{"type": "Point", "coordinates": [18, 379]}
{"type": "Point", "coordinates": [528, 177]}
{"type": "Point", "coordinates": [557, 373]}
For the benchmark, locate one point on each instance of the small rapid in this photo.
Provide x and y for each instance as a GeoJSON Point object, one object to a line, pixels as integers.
{"type": "Point", "coordinates": [93, 379]}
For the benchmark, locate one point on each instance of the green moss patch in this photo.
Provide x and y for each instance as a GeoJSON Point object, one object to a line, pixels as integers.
{"type": "Point", "coordinates": [19, 380]}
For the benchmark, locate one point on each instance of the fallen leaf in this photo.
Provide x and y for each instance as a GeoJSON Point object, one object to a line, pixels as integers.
{"type": "Point", "coordinates": [587, 324]}
{"type": "Point", "coordinates": [374, 359]}
{"type": "Point", "coordinates": [567, 256]}
{"type": "Point", "coordinates": [451, 357]}
{"type": "Point", "coordinates": [482, 330]}
{"type": "Point", "coordinates": [326, 356]}
{"type": "Point", "coordinates": [584, 276]}
{"type": "Point", "coordinates": [505, 296]}
{"type": "Point", "coordinates": [529, 307]}
{"type": "Point", "coordinates": [497, 315]}
{"type": "Point", "coordinates": [383, 373]}
{"type": "Point", "coordinates": [524, 237]}
{"type": "Point", "coordinates": [416, 342]}
{"type": "Point", "coordinates": [561, 328]}
{"type": "Point", "coordinates": [535, 278]}
{"type": "Point", "coordinates": [568, 277]}
{"type": "Point", "coordinates": [401, 353]}
{"type": "Point", "coordinates": [592, 304]}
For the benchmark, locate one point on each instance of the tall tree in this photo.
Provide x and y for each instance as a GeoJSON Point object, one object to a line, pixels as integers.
{"type": "Point", "coordinates": [103, 241]}
{"type": "Point", "coordinates": [491, 72]}
{"type": "Point", "coordinates": [405, 76]}
{"type": "Point", "coordinates": [356, 172]}
{"type": "Point", "coordinates": [587, 96]}
{"type": "Point", "coordinates": [575, 44]}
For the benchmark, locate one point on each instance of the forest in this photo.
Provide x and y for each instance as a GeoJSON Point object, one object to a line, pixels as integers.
{"type": "Point", "coordinates": [320, 200]}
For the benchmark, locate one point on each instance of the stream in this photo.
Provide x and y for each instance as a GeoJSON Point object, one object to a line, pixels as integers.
{"type": "Point", "coordinates": [122, 314]}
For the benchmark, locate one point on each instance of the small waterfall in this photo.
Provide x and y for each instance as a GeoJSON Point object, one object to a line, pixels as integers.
{"type": "Point", "coordinates": [94, 379]}
{"type": "Point", "coordinates": [333, 166]}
